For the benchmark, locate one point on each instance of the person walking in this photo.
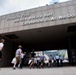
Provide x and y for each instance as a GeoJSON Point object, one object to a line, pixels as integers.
{"type": "Point", "coordinates": [61, 60]}
{"type": "Point", "coordinates": [38, 61]}
{"type": "Point", "coordinates": [22, 59]}
{"type": "Point", "coordinates": [13, 62]}
{"type": "Point", "coordinates": [33, 55]}
{"type": "Point", "coordinates": [1, 47]}
{"type": "Point", "coordinates": [57, 59]}
{"type": "Point", "coordinates": [18, 56]}
{"type": "Point", "coordinates": [42, 58]}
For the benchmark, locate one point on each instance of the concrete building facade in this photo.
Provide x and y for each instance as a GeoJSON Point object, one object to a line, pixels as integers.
{"type": "Point", "coordinates": [47, 27]}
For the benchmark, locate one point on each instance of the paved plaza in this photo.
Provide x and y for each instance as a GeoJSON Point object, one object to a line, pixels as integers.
{"type": "Point", "coordinates": [45, 71]}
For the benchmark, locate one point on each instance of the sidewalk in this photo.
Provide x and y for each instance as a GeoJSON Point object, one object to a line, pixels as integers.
{"type": "Point", "coordinates": [45, 71]}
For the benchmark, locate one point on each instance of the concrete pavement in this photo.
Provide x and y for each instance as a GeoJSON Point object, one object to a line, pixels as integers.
{"type": "Point", "coordinates": [45, 71]}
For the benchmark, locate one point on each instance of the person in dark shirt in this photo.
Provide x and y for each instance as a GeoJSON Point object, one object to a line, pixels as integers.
{"type": "Point", "coordinates": [33, 55]}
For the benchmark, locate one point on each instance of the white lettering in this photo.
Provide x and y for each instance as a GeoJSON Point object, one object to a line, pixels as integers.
{"type": "Point", "coordinates": [27, 20]}
{"type": "Point", "coordinates": [53, 19]}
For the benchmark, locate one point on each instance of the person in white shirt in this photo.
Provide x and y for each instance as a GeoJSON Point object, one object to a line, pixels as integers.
{"type": "Point", "coordinates": [42, 58]}
{"type": "Point", "coordinates": [61, 60]}
{"type": "Point", "coordinates": [38, 61]}
{"type": "Point", "coordinates": [18, 55]}
{"type": "Point", "coordinates": [1, 47]}
{"type": "Point", "coordinates": [22, 59]}
{"type": "Point", "coordinates": [57, 59]}
{"type": "Point", "coordinates": [13, 62]}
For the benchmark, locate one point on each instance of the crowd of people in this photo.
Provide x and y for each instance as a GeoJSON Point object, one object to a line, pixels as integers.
{"type": "Point", "coordinates": [39, 61]}
{"type": "Point", "coordinates": [34, 61]}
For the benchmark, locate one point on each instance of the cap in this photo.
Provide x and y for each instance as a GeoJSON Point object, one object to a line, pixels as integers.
{"type": "Point", "coordinates": [19, 46]}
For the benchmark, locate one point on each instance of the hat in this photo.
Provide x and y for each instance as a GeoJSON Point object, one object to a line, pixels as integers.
{"type": "Point", "coordinates": [19, 46]}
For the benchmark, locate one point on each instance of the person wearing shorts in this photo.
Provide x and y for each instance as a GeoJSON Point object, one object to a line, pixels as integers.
{"type": "Point", "coordinates": [42, 58]}
{"type": "Point", "coordinates": [33, 55]}
{"type": "Point", "coordinates": [18, 56]}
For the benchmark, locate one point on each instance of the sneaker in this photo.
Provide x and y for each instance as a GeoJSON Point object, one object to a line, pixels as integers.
{"type": "Point", "coordinates": [14, 68]}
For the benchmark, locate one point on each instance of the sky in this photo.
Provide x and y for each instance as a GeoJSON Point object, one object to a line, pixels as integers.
{"type": "Point", "coordinates": [10, 6]}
